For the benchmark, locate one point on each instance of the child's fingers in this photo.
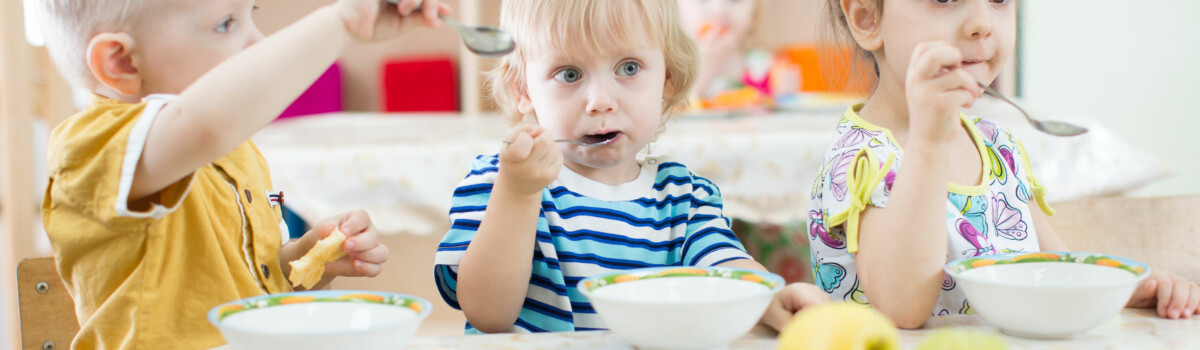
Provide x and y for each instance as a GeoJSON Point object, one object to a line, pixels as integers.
{"type": "Point", "coordinates": [1164, 295]}
{"type": "Point", "coordinates": [811, 295]}
{"type": "Point", "coordinates": [375, 255]}
{"type": "Point", "coordinates": [1145, 292]}
{"type": "Point", "coordinates": [543, 147]}
{"type": "Point", "coordinates": [967, 84]}
{"type": "Point", "coordinates": [1193, 301]}
{"type": "Point", "coordinates": [793, 298]}
{"type": "Point", "coordinates": [355, 222]}
{"type": "Point", "coordinates": [406, 7]}
{"type": "Point", "coordinates": [518, 150]}
{"type": "Point", "coordinates": [430, 11]}
{"type": "Point", "coordinates": [360, 242]}
{"type": "Point", "coordinates": [325, 228]}
{"type": "Point", "coordinates": [367, 269]}
{"type": "Point", "coordinates": [1179, 298]}
{"type": "Point", "coordinates": [937, 59]}
{"type": "Point", "coordinates": [777, 316]}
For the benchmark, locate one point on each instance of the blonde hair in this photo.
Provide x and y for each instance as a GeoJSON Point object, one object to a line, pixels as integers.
{"type": "Point", "coordinates": [68, 26]}
{"type": "Point", "coordinates": [580, 28]}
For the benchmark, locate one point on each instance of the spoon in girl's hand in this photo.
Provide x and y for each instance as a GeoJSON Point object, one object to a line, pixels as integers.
{"type": "Point", "coordinates": [485, 41]}
{"type": "Point", "coordinates": [1047, 126]}
{"type": "Point", "coordinates": [587, 140]}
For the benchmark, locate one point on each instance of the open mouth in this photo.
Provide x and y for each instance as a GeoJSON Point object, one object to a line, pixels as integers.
{"type": "Point", "coordinates": [601, 137]}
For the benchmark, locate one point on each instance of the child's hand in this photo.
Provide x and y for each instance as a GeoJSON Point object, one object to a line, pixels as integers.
{"type": "Point", "coordinates": [530, 162]}
{"type": "Point", "coordinates": [789, 301]}
{"type": "Point", "coordinates": [374, 20]}
{"type": "Point", "coordinates": [364, 255]}
{"type": "Point", "coordinates": [1174, 296]}
{"type": "Point", "coordinates": [937, 88]}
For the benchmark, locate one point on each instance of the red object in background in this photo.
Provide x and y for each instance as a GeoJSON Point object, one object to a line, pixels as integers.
{"type": "Point", "coordinates": [419, 85]}
{"type": "Point", "coordinates": [324, 96]}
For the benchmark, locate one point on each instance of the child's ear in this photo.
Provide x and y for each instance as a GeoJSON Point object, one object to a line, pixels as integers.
{"type": "Point", "coordinates": [110, 58]}
{"type": "Point", "coordinates": [863, 19]}
{"type": "Point", "coordinates": [524, 104]}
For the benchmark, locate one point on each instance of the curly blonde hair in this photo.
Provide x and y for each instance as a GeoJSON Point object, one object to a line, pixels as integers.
{"type": "Point", "coordinates": [580, 28]}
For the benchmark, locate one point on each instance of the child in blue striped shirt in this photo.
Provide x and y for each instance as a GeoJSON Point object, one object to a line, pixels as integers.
{"type": "Point", "coordinates": [529, 223]}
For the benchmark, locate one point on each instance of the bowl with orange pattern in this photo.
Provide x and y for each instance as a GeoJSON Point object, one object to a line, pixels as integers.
{"type": "Point", "coordinates": [1047, 295]}
{"type": "Point", "coordinates": [681, 307]}
{"type": "Point", "coordinates": [321, 320]}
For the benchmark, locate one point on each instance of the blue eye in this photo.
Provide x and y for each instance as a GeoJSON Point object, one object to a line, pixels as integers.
{"type": "Point", "coordinates": [225, 25]}
{"type": "Point", "coordinates": [569, 75]}
{"type": "Point", "coordinates": [629, 68]}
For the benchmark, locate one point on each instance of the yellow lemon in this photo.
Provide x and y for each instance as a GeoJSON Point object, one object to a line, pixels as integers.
{"type": "Point", "coordinates": [839, 326]}
{"type": "Point", "coordinates": [961, 338]}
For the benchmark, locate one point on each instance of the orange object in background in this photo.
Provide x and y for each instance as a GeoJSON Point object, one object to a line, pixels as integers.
{"type": "Point", "coordinates": [828, 68]}
{"type": "Point", "coordinates": [743, 97]}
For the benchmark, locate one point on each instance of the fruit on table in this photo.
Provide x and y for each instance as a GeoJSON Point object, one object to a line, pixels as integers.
{"type": "Point", "coordinates": [961, 338]}
{"type": "Point", "coordinates": [839, 326]}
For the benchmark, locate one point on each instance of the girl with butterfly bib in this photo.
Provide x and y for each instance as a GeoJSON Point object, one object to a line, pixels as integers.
{"type": "Point", "coordinates": [909, 182]}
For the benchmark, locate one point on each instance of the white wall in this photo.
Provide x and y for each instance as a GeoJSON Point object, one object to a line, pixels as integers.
{"type": "Point", "coordinates": [1132, 65]}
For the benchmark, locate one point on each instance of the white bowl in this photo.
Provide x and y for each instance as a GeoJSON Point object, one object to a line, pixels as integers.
{"type": "Point", "coordinates": [1047, 295]}
{"type": "Point", "coordinates": [321, 320]}
{"type": "Point", "coordinates": [681, 307]}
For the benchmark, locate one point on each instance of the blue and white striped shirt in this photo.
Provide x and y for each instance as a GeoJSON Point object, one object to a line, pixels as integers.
{"type": "Point", "coordinates": [668, 216]}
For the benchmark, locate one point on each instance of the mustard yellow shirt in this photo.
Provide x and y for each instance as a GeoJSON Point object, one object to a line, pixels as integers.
{"type": "Point", "coordinates": [144, 274]}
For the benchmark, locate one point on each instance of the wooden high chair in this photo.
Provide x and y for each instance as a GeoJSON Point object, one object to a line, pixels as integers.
{"type": "Point", "coordinates": [1162, 232]}
{"type": "Point", "coordinates": [47, 312]}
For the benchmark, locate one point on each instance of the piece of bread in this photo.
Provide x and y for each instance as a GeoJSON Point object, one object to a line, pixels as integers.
{"type": "Point", "coordinates": [308, 270]}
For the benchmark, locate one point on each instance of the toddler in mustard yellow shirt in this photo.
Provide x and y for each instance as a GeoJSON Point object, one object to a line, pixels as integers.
{"type": "Point", "coordinates": [159, 207]}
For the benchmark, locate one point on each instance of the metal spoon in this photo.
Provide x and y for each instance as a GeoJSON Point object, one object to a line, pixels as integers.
{"type": "Point", "coordinates": [580, 143]}
{"type": "Point", "coordinates": [485, 41]}
{"type": "Point", "coordinates": [1047, 126]}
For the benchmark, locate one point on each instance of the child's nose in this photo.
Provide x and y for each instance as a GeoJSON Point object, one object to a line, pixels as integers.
{"type": "Point", "coordinates": [255, 36]}
{"type": "Point", "coordinates": [600, 99]}
{"type": "Point", "coordinates": [979, 21]}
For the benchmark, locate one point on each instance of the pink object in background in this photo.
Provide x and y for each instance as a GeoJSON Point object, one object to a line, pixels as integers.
{"type": "Point", "coordinates": [324, 96]}
{"type": "Point", "coordinates": [419, 85]}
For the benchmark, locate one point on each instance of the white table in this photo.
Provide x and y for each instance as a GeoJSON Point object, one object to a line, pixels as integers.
{"type": "Point", "coordinates": [1132, 329]}
{"type": "Point", "coordinates": [402, 168]}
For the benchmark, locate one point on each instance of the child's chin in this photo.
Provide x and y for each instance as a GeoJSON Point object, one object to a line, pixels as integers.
{"type": "Point", "coordinates": [604, 158]}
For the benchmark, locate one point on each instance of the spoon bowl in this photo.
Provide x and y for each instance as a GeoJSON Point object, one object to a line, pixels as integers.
{"type": "Point", "coordinates": [485, 41]}
{"type": "Point", "coordinates": [1047, 126]}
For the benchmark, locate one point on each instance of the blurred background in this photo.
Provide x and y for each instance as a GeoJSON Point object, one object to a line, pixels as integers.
{"type": "Point", "coordinates": [392, 126]}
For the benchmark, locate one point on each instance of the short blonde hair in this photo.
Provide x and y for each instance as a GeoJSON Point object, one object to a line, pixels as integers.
{"type": "Point", "coordinates": [68, 26]}
{"type": "Point", "coordinates": [584, 27]}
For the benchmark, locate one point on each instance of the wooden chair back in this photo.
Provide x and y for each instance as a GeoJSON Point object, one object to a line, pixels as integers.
{"type": "Point", "coordinates": [47, 312]}
{"type": "Point", "coordinates": [1163, 232]}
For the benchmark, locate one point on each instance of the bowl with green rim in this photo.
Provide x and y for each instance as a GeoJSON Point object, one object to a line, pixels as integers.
{"type": "Point", "coordinates": [681, 307]}
{"type": "Point", "coordinates": [1047, 295]}
{"type": "Point", "coordinates": [321, 320]}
